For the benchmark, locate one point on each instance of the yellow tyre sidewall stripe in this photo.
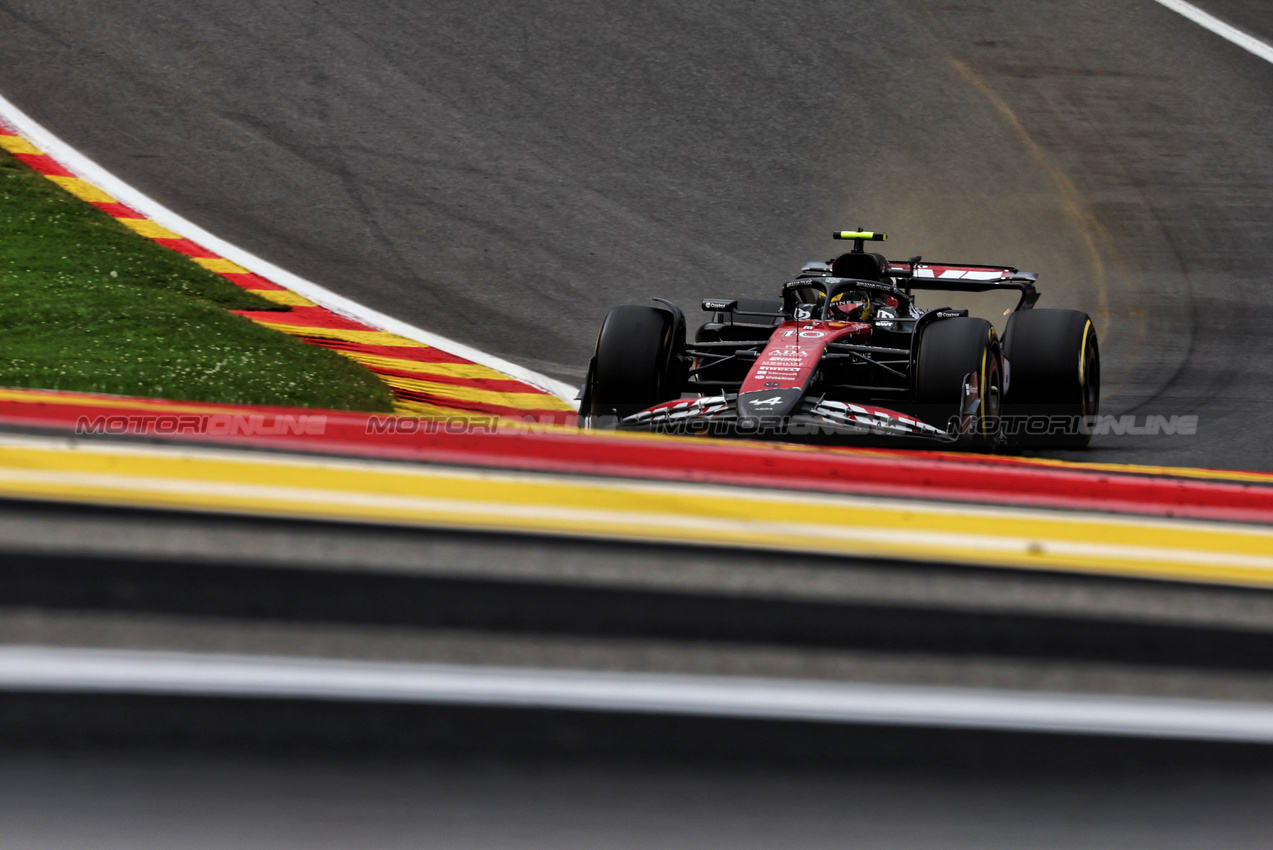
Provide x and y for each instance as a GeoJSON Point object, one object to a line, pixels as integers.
{"type": "Point", "coordinates": [630, 510]}
{"type": "Point", "coordinates": [1087, 329]}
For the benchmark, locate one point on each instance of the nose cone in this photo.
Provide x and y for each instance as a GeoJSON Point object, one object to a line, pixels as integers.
{"type": "Point", "coordinates": [767, 407]}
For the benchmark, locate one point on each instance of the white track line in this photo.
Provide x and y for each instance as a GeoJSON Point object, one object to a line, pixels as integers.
{"type": "Point", "coordinates": [85, 168]}
{"type": "Point", "coordinates": [1229, 32]}
{"type": "Point", "coordinates": [52, 669]}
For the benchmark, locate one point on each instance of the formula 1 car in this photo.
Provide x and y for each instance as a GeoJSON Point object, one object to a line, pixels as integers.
{"type": "Point", "coordinates": [848, 355]}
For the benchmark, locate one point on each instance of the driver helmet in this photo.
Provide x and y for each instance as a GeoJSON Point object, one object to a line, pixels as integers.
{"type": "Point", "coordinates": [852, 305]}
{"type": "Point", "coordinates": [808, 303]}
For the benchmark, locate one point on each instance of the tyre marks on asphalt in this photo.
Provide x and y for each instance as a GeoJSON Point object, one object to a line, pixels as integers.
{"type": "Point", "coordinates": [1090, 227]}
{"type": "Point", "coordinates": [1094, 233]}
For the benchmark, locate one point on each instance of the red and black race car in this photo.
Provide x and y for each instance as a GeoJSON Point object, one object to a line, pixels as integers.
{"type": "Point", "coordinates": [847, 354]}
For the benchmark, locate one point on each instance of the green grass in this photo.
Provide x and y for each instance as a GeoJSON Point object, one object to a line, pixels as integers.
{"type": "Point", "coordinates": [88, 305]}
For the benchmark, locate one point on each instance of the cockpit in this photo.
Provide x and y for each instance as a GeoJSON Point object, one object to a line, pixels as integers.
{"type": "Point", "coordinates": [833, 299]}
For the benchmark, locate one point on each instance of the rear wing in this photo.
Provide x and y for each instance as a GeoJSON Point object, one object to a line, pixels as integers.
{"type": "Point", "coordinates": [941, 276]}
{"type": "Point", "coordinates": [916, 275]}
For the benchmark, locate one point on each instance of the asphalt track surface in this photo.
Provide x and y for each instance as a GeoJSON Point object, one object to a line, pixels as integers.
{"type": "Point", "coordinates": [503, 173]}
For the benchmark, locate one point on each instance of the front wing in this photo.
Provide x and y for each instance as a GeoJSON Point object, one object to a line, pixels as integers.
{"type": "Point", "coordinates": [718, 415]}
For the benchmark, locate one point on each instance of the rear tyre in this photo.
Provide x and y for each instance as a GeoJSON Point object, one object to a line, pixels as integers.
{"type": "Point", "coordinates": [635, 365]}
{"type": "Point", "coordinates": [1054, 378]}
{"type": "Point", "coordinates": [952, 351]}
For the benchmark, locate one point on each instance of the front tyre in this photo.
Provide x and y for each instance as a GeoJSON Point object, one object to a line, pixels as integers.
{"type": "Point", "coordinates": [959, 377]}
{"type": "Point", "coordinates": [1054, 372]}
{"type": "Point", "coordinates": [635, 365]}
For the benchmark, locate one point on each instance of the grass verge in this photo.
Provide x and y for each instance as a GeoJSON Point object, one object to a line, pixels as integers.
{"type": "Point", "coordinates": [87, 305]}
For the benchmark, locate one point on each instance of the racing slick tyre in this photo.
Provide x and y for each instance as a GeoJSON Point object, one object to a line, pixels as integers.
{"type": "Point", "coordinates": [1054, 378]}
{"type": "Point", "coordinates": [635, 365]}
{"type": "Point", "coordinates": [958, 376]}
